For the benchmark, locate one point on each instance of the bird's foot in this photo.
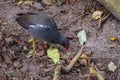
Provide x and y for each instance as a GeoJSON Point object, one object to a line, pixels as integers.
{"type": "Point", "coordinates": [35, 53]}
{"type": "Point", "coordinates": [51, 46]}
{"type": "Point", "coordinates": [32, 41]}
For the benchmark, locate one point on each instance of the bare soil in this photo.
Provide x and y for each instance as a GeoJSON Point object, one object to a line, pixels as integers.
{"type": "Point", "coordinates": [17, 61]}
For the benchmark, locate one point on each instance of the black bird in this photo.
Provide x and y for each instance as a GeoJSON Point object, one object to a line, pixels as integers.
{"type": "Point", "coordinates": [41, 26]}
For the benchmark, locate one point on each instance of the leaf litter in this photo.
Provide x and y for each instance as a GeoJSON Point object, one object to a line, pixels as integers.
{"type": "Point", "coordinates": [46, 62]}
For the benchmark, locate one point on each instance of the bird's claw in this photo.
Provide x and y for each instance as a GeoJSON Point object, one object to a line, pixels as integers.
{"type": "Point", "coordinates": [35, 53]}
{"type": "Point", "coordinates": [33, 45]}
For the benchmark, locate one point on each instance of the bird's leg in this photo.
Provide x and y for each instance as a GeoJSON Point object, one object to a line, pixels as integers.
{"type": "Point", "coordinates": [51, 46]}
{"type": "Point", "coordinates": [33, 46]}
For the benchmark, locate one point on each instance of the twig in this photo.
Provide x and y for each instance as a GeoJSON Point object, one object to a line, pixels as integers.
{"type": "Point", "coordinates": [88, 24]}
{"type": "Point", "coordinates": [69, 23]}
{"type": "Point", "coordinates": [57, 3]}
{"type": "Point", "coordinates": [102, 20]}
{"type": "Point", "coordinates": [57, 72]}
{"type": "Point", "coordinates": [70, 66]}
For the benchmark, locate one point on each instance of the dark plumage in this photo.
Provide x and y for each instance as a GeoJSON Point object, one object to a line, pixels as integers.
{"type": "Point", "coordinates": [41, 26]}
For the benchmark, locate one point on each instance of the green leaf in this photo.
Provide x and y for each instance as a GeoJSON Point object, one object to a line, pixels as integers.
{"type": "Point", "coordinates": [82, 37]}
{"type": "Point", "coordinates": [54, 55]}
{"type": "Point", "coordinates": [112, 66]}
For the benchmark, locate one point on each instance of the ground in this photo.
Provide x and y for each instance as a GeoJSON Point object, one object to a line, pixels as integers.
{"type": "Point", "coordinates": [16, 61]}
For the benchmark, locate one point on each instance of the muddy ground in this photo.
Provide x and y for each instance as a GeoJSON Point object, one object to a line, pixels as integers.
{"type": "Point", "coordinates": [17, 61]}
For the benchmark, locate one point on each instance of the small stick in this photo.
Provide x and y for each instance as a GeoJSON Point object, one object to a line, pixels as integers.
{"type": "Point", "coordinates": [74, 60]}
{"type": "Point", "coordinates": [57, 3]}
{"type": "Point", "coordinates": [57, 72]}
{"type": "Point", "coordinates": [102, 20]}
{"type": "Point", "coordinates": [90, 26]}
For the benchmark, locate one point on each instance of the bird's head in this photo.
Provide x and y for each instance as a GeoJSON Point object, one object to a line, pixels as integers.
{"type": "Point", "coordinates": [65, 43]}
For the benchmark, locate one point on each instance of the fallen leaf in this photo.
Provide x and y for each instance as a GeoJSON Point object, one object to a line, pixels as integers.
{"type": "Point", "coordinates": [25, 48]}
{"type": "Point", "coordinates": [83, 62]}
{"type": "Point", "coordinates": [92, 71]}
{"type": "Point", "coordinates": [29, 54]}
{"type": "Point", "coordinates": [20, 2]}
{"type": "Point", "coordinates": [97, 14]}
{"type": "Point", "coordinates": [29, 3]}
{"type": "Point", "coordinates": [54, 55]}
{"type": "Point", "coordinates": [113, 38]}
{"type": "Point", "coordinates": [84, 59]}
{"type": "Point", "coordinates": [82, 37]}
{"type": "Point", "coordinates": [47, 2]}
{"type": "Point", "coordinates": [112, 66]}
{"type": "Point", "coordinates": [84, 56]}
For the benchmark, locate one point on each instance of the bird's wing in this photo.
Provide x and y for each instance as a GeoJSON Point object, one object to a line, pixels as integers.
{"type": "Point", "coordinates": [28, 19]}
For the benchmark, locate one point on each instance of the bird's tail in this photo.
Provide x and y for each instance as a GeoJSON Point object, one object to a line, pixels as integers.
{"type": "Point", "coordinates": [21, 22]}
{"type": "Point", "coordinates": [26, 13]}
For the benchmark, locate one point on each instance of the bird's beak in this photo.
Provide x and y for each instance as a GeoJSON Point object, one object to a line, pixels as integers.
{"type": "Point", "coordinates": [67, 46]}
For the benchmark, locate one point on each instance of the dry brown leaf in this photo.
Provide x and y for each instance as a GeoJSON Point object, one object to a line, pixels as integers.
{"type": "Point", "coordinates": [97, 14]}
{"type": "Point", "coordinates": [84, 56]}
{"type": "Point", "coordinates": [95, 72]}
{"type": "Point", "coordinates": [92, 71]}
{"type": "Point", "coordinates": [29, 3]}
{"type": "Point", "coordinates": [47, 2]}
{"type": "Point", "coordinates": [113, 38]}
{"type": "Point", "coordinates": [20, 2]}
{"type": "Point", "coordinates": [83, 59]}
{"type": "Point", "coordinates": [83, 62]}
